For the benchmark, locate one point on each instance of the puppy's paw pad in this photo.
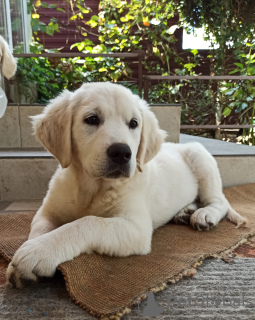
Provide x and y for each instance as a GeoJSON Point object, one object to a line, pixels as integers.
{"type": "Point", "coordinates": [183, 216]}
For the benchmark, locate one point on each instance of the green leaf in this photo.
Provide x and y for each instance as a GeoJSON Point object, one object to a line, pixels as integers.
{"type": "Point", "coordinates": [55, 26]}
{"type": "Point", "coordinates": [80, 46]}
{"type": "Point", "coordinates": [82, 9]}
{"type": "Point", "coordinates": [73, 18]}
{"type": "Point", "coordinates": [44, 4]}
{"type": "Point", "coordinates": [234, 71]}
{"type": "Point", "coordinates": [110, 26]}
{"type": "Point", "coordinates": [244, 105]}
{"type": "Point", "coordinates": [94, 18]}
{"type": "Point", "coordinates": [92, 23]}
{"type": "Point", "coordinates": [230, 92]}
{"type": "Point", "coordinates": [60, 9]}
{"type": "Point", "coordinates": [37, 25]}
{"type": "Point", "coordinates": [101, 48]}
{"type": "Point", "coordinates": [194, 51]}
{"type": "Point", "coordinates": [50, 30]}
{"type": "Point", "coordinates": [226, 112]}
{"type": "Point", "coordinates": [239, 65]}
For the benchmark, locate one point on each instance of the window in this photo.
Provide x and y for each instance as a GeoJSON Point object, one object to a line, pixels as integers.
{"type": "Point", "coordinates": [195, 40]}
{"type": "Point", "coordinates": [15, 24]}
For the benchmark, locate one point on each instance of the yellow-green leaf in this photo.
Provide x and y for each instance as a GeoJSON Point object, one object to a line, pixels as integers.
{"type": "Point", "coordinates": [35, 16]}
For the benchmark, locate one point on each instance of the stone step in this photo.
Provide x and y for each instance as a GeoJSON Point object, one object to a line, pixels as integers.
{"type": "Point", "coordinates": [236, 162]}
{"type": "Point", "coordinates": [25, 168]}
{"type": "Point", "coordinates": [25, 173]}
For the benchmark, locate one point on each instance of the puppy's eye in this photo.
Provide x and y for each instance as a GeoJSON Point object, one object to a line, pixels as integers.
{"type": "Point", "coordinates": [92, 120]}
{"type": "Point", "coordinates": [133, 124]}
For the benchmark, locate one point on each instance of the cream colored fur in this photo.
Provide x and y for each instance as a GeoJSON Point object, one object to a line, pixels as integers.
{"type": "Point", "coordinates": [7, 60]}
{"type": "Point", "coordinates": [85, 210]}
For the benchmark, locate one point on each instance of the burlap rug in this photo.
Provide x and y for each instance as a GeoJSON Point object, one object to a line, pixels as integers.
{"type": "Point", "coordinates": [107, 286]}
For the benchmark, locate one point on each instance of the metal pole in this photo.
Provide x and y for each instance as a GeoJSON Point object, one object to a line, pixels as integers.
{"type": "Point", "coordinates": [146, 89]}
{"type": "Point", "coordinates": [140, 74]}
{"type": "Point", "coordinates": [9, 25]}
{"type": "Point", "coordinates": [24, 25]}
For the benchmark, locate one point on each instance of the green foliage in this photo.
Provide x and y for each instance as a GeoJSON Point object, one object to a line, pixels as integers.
{"type": "Point", "coordinates": [120, 26]}
{"type": "Point", "coordinates": [130, 25]}
{"type": "Point", "coordinates": [241, 94]}
{"type": "Point", "coordinates": [228, 24]}
{"type": "Point", "coordinates": [196, 97]}
{"type": "Point", "coordinates": [52, 75]}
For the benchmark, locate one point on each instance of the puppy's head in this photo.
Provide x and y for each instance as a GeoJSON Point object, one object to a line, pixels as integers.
{"type": "Point", "coordinates": [108, 130]}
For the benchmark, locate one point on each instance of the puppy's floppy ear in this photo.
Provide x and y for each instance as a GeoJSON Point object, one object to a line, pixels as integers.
{"type": "Point", "coordinates": [53, 127]}
{"type": "Point", "coordinates": [151, 137]}
{"type": "Point", "coordinates": [9, 64]}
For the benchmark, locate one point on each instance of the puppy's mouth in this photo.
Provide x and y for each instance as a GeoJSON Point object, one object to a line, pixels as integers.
{"type": "Point", "coordinates": [118, 172]}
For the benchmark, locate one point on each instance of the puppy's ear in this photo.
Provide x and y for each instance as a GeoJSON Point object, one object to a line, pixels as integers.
{"type": "Point", "coordinates": [53, 128]}
{"type": "Point", "coordinates": [8, 62]}
{"type": "Point", "coordinates": [151, 137]}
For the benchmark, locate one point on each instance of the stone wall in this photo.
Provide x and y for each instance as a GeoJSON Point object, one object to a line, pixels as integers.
{"type": "Point", "coordinates": [16, 129]}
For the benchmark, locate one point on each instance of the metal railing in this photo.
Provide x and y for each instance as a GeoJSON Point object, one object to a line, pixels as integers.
{"type": "Point", "coordinates": [149, 78]}
{"type": "Point", "coordinates": [135, 56]}
{"type": "Point", "coordinates": [144, 81]}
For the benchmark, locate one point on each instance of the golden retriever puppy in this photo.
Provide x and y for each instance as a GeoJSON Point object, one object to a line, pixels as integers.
{"type": "Point", "coordinates": [117, 181]}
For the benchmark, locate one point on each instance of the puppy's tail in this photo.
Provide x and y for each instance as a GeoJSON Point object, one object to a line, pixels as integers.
{"type": "Point", "coordinates": [236, 218]}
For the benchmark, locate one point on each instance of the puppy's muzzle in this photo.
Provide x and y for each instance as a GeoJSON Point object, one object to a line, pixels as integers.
{"type": "Point", "coordinates": [119, 153]}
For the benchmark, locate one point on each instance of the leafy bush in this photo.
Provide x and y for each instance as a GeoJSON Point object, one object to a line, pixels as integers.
{"type": "Point", "coordinates": [125, 26]}
{"type": "Point", "coordinates": [52, 75]}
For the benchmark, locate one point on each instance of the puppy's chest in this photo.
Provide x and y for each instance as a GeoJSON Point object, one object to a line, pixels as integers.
{"type": "Point", "coordinates": [103, 204]}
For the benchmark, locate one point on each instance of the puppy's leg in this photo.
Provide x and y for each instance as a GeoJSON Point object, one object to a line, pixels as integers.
{"type": "Point", "coordinates": [41, 224]}
{"type": "Point", "coordinates": [215, 205]}
{"type": "Point", "coordinates": [118, 236]}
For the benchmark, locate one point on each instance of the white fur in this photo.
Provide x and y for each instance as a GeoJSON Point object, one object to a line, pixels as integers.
{"type": "Point", "coordinates": [7, 60]}
{"type": "Point", "coordinates": [84, 211]}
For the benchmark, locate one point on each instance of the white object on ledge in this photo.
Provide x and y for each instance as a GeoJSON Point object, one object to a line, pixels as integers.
{"type": "Point", "coordinates": [3, 102]}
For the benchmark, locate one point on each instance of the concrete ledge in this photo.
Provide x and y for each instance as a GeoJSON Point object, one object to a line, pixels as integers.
{"type": "Point", "coordinates": [220, 148]}
{"type": "Point", "coordinates": [169, 120]}
{"type": "Point", "coordinates": [236, 171]}
{"type": "Point", "coordinates": [27, 138]}
{"type": "Point", "coordinates": [10, 128]}
{"type": "Point", "coordinates": [236, 162]}
{"type": "Point", "coordinates": [25, 178]}
{"type": "Point", "coordinates": [16, 128]}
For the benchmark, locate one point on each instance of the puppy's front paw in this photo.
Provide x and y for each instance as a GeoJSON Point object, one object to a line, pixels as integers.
{"type": "Point", "coordinates": [35, 258]}
{"type": "Point", "coordinates": [16, 279]}
{"type": "Point", "coordinates": [204, 219]}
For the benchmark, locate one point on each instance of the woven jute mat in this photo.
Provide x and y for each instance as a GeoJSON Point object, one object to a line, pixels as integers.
{"type": "Point", "coordinates": [106, 286]}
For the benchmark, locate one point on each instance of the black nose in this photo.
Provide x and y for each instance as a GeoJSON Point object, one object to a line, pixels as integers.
{"type": "Point", "coordinates": [119, 153]}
